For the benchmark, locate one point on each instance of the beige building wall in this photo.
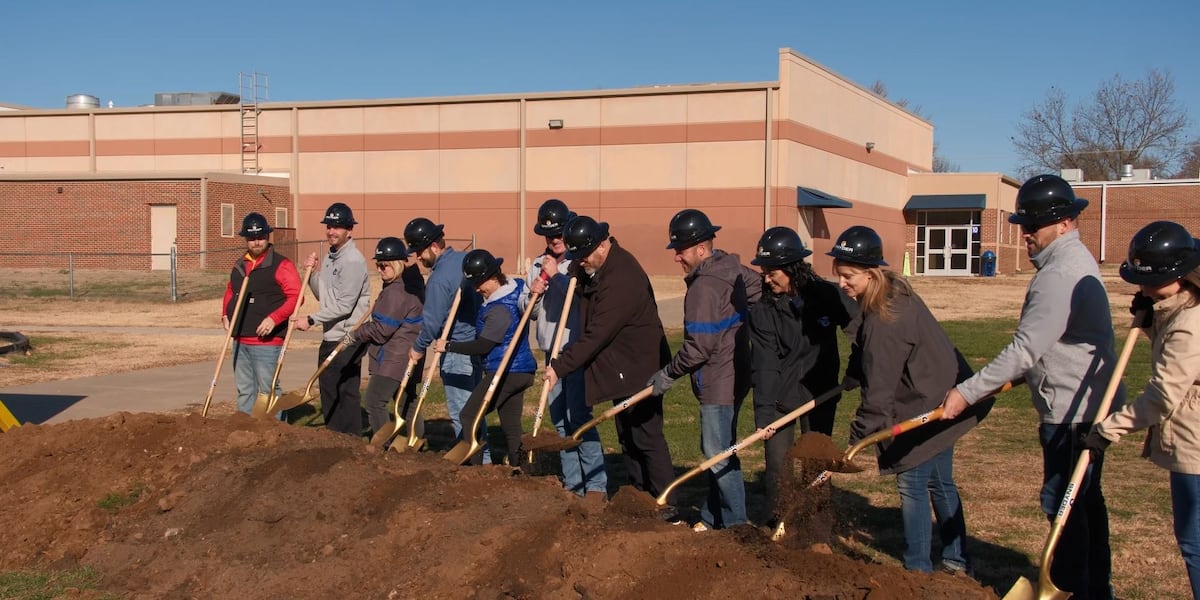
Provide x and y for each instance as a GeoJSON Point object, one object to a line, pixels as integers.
{"type": "Point", "coordinates": [483, 164]}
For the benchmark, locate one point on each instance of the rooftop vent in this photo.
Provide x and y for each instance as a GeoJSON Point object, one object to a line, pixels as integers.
{"type": "Point", "coordinates": [1072, 175]}
{"type": "Point", "coordinates": [195, 98]}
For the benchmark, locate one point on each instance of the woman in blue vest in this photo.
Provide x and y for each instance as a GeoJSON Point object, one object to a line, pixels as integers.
{"type": "Point", "coordinates": [503, 302]}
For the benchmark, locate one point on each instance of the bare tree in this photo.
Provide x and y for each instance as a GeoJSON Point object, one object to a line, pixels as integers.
{"type": "Point", "coordinates": [940, 164]}
{"type": "Point", "coordinates": [1126, 122]}
{"type": "Point", "coordinates": [1189, 168]}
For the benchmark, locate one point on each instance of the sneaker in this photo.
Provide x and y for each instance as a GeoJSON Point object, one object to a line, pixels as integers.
{"type": "Point", "coordinates": [671, 516]}
{"type": "Point", "coordinates": [955, 570]}
{"type": "Point", "coordinates": [700, 527]}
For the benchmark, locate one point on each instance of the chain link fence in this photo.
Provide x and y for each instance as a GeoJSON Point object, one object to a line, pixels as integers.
{"type": "Point", "coordinates": [203, 276]}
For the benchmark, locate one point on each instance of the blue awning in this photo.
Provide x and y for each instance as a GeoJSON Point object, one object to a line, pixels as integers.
{"type": "Point", "coordinates": [814, 198]}
{"type": "Point", "coordinates": [947, 201]}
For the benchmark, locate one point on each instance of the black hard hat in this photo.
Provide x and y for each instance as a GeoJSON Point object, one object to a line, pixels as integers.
{"type": "Point", "coordinates": [255, 225]}
{"type": "Point", "coordinates": [779, 246]}
{"type": "Point", "coordinates": [1045, 199]}
{"type": "Point", "coordinates": [859, 245]}
{"type": "Point", "coordinates": [420, 233]}
{"type": "Point", "coordinates": [690, 227]}
{"type": "Point", "coordinates": [582, 234]}
{"type": "Point", "coordinates": [339, 215]}
{"type": "Point", "coordinates": [552, 217]}
{"type": "Point", "coordinates": [479, 264]}
{"type": "Point", "coordinates": [390, 248]}
{"type": "Point", "coordinates": [1159, 253]}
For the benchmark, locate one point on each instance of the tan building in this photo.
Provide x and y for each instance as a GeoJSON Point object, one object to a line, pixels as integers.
{"type": "Point", "coordinates": [811, 150]}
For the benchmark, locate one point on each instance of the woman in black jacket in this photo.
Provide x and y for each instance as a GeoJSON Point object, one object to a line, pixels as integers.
{"type": "Point", "coordinates": [793, 331]}
{"type": "Point", "coordinates": [905, 363]}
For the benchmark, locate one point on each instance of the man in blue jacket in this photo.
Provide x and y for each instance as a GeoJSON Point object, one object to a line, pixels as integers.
{"type": "Point", "coordinates": [460, 374]}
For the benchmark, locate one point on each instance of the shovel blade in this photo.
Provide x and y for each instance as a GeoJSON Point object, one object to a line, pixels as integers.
{"type": "Point", "coordinates": [386, 433]}
{"type": "Point", "coordinates": [548, 443]}
{"type": "Point", "coordinates": [261, 401]}
{"type": "Point", "coordinates": [1023, 589]}
{"type": "Point", "coordinates": [463, 451]}
{"type": "Point", "coordinates": [288, 401]}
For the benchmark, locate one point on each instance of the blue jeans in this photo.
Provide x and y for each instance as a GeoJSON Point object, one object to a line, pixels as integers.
{"type": "Point", "coordinates": [1082, 562]}
{"type": "Point", "coordinates": [932, 480]}
{"type": "Point", "coordinates": [1185, 505]}
{"type": "Point", "coordinates": [726, 504]}
{"type": "Point", "coordinates": [459, 378]}
{"type": "Point", "coordinates": [253, 369]}
{"type": "Point", "coordinates": [582, 466]}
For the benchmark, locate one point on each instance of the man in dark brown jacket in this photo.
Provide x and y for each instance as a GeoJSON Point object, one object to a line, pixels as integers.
{"type": "Point", "coordinates": [620, 345]}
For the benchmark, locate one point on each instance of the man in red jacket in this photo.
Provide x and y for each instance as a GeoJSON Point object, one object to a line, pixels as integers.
{"type": "Point", "coordinates": [620, 345]}
{"type": "Point", "coordinates": [271, 298]}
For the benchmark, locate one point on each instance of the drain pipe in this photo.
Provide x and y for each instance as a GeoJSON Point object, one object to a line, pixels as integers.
{"type": "Point", "coordinates": [770, 117]}
{"type": "Point", "coordinates": [1103, 222]}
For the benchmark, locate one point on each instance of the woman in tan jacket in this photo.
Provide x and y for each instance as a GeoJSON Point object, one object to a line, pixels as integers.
{"type": "Point", "coordinates": [1164, 260]}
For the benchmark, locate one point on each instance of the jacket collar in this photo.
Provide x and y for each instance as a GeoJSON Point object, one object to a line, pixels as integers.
{"type": "Point", "coordinates": [1040, 259]}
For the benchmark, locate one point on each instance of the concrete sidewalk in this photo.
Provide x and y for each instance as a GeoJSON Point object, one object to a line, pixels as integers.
{"type": "Point", "coordinates": [181, 387]}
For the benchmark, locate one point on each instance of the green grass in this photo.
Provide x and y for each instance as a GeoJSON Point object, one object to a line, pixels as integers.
{"type": "Point", "coordinates": [56, 348]}
{"type": "Point", "coordinates": [45, 585]}
{"type": "Point", "coordinates": [115, 501]}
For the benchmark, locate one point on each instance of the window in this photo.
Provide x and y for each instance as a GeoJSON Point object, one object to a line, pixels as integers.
{"type": "Point", "coordinates": [227, 220]}
{"type": "Point", "coordinates": [281, 217]}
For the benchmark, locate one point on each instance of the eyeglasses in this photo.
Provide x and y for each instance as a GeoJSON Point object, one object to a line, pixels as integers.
{"type": "Point", "coordinates": [382, 265]}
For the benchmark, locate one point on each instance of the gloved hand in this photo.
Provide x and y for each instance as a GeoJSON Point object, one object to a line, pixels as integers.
{"type": "Point", "coordinates": [849, 383]}
{"type": "Point", "coordinates": [660, 381]}
{"type": "Point", "coordinates": [1096, 444]}
{"type": "Point", "coordinates": [348, 339]}
{"type": "Point", "coordinates": [1144, 304]}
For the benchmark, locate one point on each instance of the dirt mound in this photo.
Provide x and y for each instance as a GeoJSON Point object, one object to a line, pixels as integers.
{"type": "Point", "coordinates": [167, 506]}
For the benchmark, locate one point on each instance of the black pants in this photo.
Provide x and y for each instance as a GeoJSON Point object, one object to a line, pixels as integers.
{"type": "Point", "coordinates": [1082, 561]}
{"type": "Point", "coordinates": [341, 400]}
{"type": "Point", "coordinates": [778, 469]}
{"type": "Point", "coordinates": [507, 401]}
{"type": "Point", "coordinates": [647, 458]}
{"type": "Point", "coordinates": [381, 390]}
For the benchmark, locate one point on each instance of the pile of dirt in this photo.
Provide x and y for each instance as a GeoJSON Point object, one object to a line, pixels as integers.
{"type": "Point", "coordinates": [177, 506]}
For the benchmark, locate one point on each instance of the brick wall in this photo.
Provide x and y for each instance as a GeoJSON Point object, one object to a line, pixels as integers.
{"type": "Point", "coordinates": [105, 224]}
{"type": "Point", "coordinates": [96, 220]}
{"type": "Point", "coordinates": [1131, 207]}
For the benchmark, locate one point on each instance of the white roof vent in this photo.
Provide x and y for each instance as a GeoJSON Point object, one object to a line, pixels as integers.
{"type": "Point", "coordinates": [1141, 174]}
{"type": "Point", "coordinates": [1126, 172]}
{"type": "Point", "coordinates": [1072, 175]}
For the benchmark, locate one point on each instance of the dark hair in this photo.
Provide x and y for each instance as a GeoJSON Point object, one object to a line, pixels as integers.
{"type": "Point", "coordinates": [799, 275]}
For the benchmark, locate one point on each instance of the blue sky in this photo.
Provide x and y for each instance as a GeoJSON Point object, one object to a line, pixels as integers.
{"type": "Point", "coordinates": [973, 67]}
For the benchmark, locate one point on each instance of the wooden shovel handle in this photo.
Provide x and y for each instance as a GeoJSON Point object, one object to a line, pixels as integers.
{"type": "Point", "coordinates": [612, 412]}
{"type": "Point", "coordinates": [750, 439]}
{"type": "Point", "coordinates": [431, 368]}
{"type": "Point", "coordinates": [554, 348]}
{"type": "Point", "coordinates": [1081, 465]}
{"type": "Point", "coordinates": [287, 339]}
{"type": "Point", "coordinates": [500, 369]}
{"type": "Point", "coordinates": [237, 311]}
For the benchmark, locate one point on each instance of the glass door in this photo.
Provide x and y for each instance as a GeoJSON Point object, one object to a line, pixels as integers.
{"type": "Point", "coordinates": [948, 250]}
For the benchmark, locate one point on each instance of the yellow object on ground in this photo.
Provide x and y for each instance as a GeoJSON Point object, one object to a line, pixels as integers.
{"type": "Point", "coordinates": [907, 270]}
{"type": "Point", "coordinates": [7, 420]}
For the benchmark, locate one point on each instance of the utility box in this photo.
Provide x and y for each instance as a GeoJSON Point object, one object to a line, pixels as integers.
{"type": "Point", "coordinates": [987, 264]}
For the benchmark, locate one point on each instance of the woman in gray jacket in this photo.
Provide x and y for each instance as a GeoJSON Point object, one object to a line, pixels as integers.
{"type": "Point", "coordinates": [1164, 261]}
{"type": "Point", "coordinates": [905, 363]}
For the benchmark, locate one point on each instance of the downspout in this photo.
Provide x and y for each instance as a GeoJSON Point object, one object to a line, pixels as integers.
{"type": "Point", "coordinates": [294, 180]}
{"type": "Point", "coordinates": [770, 115]}
{"type": "Point", "coordinates": [1103, 221]}
{"type": "Point", "coordinates": [203, 222]}
{"type": "Point", "coordinates": [92, 142]}
{"type": "Point", "coordinates": [521, 191]}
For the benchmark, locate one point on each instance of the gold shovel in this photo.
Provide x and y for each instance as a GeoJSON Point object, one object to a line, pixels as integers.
{"type": "Point", "coordinates": [1045, 589]}
{"type": "Point", "coordinates": [295, 398]}
{"type": "Point", "coordinates": [554, 348]}
{"type": "Point", "coordinates": [468, 447]}
{"type": "Point", "coordinates": [557, 443]}
{"type": "Point", "coordinates": [387, 432]}
{"type": "Point", "coordinates": [264, 400]}
{"type": "Point", "coordinates": [447, 327]}
{"type": "Point", "coordinates": [233, 322]}
{"type": "Point", "coordinates": [754, 437]}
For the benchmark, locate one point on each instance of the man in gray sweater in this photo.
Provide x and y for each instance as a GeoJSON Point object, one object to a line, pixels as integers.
{"type": "Point", "coordinates": [1063, 348]}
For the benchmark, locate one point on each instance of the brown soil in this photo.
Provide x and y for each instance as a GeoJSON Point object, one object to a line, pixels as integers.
{"type": "Point", "coordinates": [231, 507]}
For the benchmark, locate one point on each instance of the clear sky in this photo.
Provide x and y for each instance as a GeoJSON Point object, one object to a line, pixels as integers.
{"type": "Point", "coordinates": [973, 67]}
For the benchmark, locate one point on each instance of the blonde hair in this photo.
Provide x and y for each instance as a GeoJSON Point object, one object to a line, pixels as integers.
{"type": "Point", "coordinates": [882, 288]}
{"type": "Point", "coordinates": [397, 268]}
{"type": "Point", "coordinates": [1191, 284]}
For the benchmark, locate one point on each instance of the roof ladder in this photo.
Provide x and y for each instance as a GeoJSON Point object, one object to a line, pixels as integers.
{"type": "Point", "coordinates": [252, 88]}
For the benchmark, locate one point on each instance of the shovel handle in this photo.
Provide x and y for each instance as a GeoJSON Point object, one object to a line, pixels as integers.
{"type": "Point", "coordinates": [554, 348]}
{"type": "Point", "coordinates": [612, 412]}
{"type": "Point", "coordinates": [895, 430]}
{"type": "Point", "coordinates": [287, 337]}
{"type": "Point", "coordinates": [495, 383]}
{"type": "Point", "coordinates": [750, 439]}
{"type": "Point", "coordinates": [1081, 465]}
{"type": "Point", "coordinates": [431, 368]}
{"type": "Point", "coordinates": [276, 408]}
{"type": "Point", "coordinates": [233, 321]}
